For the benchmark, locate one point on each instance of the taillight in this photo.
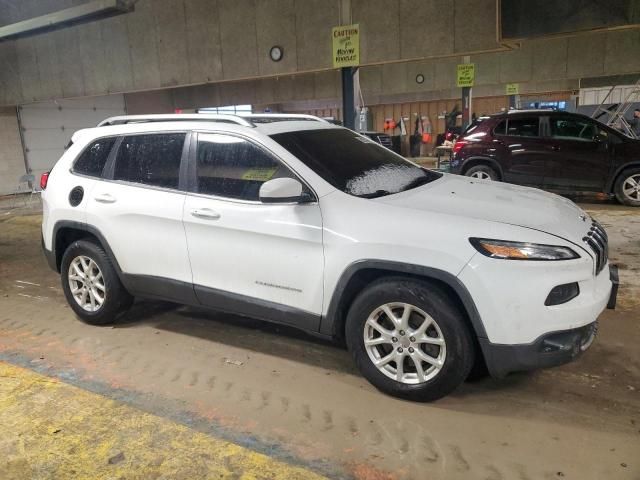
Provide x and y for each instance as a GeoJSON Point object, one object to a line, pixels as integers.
{"type": "Point", "coordinates": [458, 145]}
{"type": "Point", "coordinates": [44, 178]}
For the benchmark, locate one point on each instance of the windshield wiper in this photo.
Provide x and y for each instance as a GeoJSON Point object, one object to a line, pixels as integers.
{"type": "Point", "coordinates": [417, 182]}
{"type": "Point", "coordinates": [376, 194]}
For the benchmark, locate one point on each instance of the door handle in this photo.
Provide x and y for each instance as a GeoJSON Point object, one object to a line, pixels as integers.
{"type": "Point", "coordinates": [555, 148]}
{"type": "Point", "coordinates": [105, 198]}
{"type": "Point", "coordinates": [205, 213]}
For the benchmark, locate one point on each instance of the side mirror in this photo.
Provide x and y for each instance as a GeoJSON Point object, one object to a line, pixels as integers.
{"type": "Point", "coordinates": [282, 190]}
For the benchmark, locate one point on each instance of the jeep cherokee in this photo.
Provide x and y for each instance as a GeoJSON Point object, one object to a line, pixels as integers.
{"type": "Point", "coordinates": [291, 219]}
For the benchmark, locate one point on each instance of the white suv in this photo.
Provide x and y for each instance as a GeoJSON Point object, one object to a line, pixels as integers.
{"type": "Point", "coordinates": [294, 220]}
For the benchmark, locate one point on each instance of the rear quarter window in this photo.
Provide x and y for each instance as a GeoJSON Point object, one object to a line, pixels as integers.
{"type": "Point", "coordinates": [93, 159]}
{"type": "Point", "coordinates": [500, 128]}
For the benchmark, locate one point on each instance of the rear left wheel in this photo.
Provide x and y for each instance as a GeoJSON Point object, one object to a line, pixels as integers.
{"type": "Point", "coordinates": [409, 339]}
{"type": "Point", "coordinates": [91, 284]}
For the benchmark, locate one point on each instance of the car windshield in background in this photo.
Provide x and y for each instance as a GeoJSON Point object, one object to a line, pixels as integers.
{"type": "Point", "coordinates": [354, 164]}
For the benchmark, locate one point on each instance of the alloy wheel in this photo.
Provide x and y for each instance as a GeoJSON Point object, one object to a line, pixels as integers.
{"type": "Point", "coordinates": [481, 175]}
{"type": "Point", "coordinates": [87, 283]}
{"type": "Point", "coordinates": [631, 187]}
{"type": "Point", "coordinates": [404, 343]}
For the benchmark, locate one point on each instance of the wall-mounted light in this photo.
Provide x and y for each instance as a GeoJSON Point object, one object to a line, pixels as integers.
{"type": "Point", "coordinates": [87, 12]}
{"type": "Point", "coordinates": [276, 53]}
{"type": "Point", "coordinates": [420, 78]}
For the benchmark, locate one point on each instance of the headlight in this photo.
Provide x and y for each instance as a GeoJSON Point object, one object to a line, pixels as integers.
{"type": "Point", "coordinates": [506, 250]}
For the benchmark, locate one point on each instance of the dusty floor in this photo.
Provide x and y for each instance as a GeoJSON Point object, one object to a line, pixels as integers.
{"type": "Point", "coordinates": [298, 399]}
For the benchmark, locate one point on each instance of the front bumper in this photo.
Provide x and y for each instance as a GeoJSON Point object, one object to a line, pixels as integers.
{"type": "Point", "coordinates": [549, 350]}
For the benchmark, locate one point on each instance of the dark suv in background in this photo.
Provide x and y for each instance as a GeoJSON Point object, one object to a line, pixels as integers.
{"type": "Point", "coordinates": [559, 151]}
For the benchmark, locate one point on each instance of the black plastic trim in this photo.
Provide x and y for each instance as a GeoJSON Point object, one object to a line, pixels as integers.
{"type": "Point", "coordinates": [330, 323]}
{"type": "Point", "coordinates": [549, 302]}
{"type": "Point", "coordinates": [49, 255]}
{"type": "Point", "coordinates": [615, 283]}
{"type": "Point", "coordinates": [160, 288]}
{"type": "Point", "coordinates": [548, 350]}
{"type": "Point", "coordinates": [57, 256]}
{"type": "Point", "coordinates": [257, 308]}
{"type": "Point", "coordinates": [295, 200]}
{"type": "Point", "coordinates": [110, 165]}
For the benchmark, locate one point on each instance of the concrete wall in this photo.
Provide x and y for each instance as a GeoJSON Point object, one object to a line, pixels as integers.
{"type": "Point", "coordinates": [538, 66]}
{"type": "Point", "coordinates": [167, 43]}
{"type": "Point", "coordinates": [546, 65]}
{"type": "Point", "coordinates": [210, 52]}
{"type": "Point", "coordinates": [11, 156]}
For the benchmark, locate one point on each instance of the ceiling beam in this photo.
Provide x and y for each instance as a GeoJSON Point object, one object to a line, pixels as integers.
{"type": "Point", "coordinates": [87, 12]}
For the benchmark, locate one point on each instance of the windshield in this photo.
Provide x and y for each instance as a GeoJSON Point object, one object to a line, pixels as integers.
{"type": "Point", "coordinates": [354, 164]}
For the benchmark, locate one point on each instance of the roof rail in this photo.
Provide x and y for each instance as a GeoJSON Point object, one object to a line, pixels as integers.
{"type": "Point", "coordinates": [279, 117]}
{"type": "Point", "coordinates": [530, 110]}
{"type": "Point", "coordinates": [177, 117]}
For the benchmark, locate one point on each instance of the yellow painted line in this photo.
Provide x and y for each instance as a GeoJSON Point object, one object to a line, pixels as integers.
{"type": "Point", "coordinates": [49, 429]}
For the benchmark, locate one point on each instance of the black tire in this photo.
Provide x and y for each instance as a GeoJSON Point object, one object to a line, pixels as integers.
{"type": "Point", "coordinates": [619, 186]}
{"type": "Point", "coordinates": [116, 299]}
{"type": "Point", "coordinates": [482, 170]}
{"type": "Point", "coordinates": [431, 299]}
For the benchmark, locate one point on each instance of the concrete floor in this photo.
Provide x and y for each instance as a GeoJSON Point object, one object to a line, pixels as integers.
{"type": "Point", "coordinates": [300, 401]}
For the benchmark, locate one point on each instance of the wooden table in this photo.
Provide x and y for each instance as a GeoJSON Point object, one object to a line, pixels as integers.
{"type": "Point", "coordinates": [441, 151]}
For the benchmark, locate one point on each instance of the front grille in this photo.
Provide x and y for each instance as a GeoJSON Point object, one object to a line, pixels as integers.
{"type": "Point", "coordinates": [598, 241]}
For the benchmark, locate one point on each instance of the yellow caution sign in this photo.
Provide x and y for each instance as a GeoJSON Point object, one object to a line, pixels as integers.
{"type": "Point", "coordinates": [466, 74]}
{"type": "Point", "coordinates": [512, 89]}
{"type": "Point", "coordinates": [346, 46]}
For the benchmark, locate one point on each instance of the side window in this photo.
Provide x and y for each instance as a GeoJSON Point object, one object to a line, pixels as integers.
{"type": "Point", "coordinates": [501, 128]}
{"type": "Point", "coordinates": [573, 129]}
{"type": "Point", "coordinates": [232, 167]}
{"type": "Point", "coordinates": [150, 159]}
{"type": "Point", "coordinates": [91, 162]}
{"type": "Point", "coordinates": [523, 127]}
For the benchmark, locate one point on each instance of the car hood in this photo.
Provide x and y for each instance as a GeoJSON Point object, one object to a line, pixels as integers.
{"type": "Point", "coordinates": [497, 202]}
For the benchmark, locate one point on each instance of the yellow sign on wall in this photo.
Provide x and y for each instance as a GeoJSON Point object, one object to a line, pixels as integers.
{"type": "Point", "coordinates": [512, 88]}
{"type": "Point", "coordinates": [346, 46]}
{"type": "Point", "coordinates": [466, 74]}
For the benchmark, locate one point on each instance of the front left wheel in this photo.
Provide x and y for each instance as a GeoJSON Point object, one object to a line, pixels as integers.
{"type": "Point", "coordinates": [410, 339]}
{"type": "Point", "coordinates": [91, 284]}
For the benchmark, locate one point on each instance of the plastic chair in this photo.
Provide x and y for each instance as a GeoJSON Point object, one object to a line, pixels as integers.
{"type": "Point", "coordinates": [26, 184]}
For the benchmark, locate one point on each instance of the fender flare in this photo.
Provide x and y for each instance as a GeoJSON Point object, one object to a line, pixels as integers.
{"type": "Point", "coordinates": [330, 323]}
{"type": "Point", "coordinates": [83, 227]}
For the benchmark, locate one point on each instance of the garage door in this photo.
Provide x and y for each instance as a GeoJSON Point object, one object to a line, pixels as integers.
{"type": "Point", "coordinates": [47, 126]}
